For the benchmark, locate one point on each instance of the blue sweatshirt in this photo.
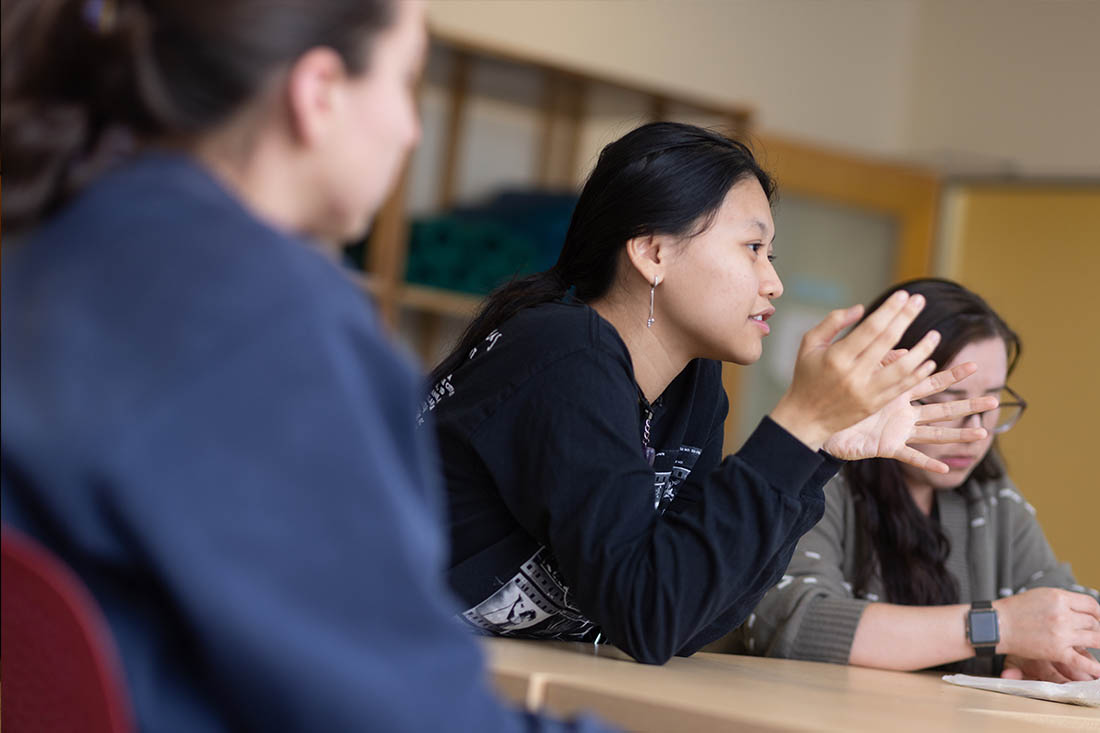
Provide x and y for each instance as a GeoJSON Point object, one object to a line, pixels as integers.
{"type": "Point", "coordinates": [201, 416]}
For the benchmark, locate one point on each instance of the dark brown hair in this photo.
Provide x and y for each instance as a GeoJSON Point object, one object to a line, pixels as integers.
{"type": "Point", "coordinates": [660, 178]}
{"type": "Point", "coordinates": [893, 536]}
{"type": "Point", "coordinates": [83, 77]}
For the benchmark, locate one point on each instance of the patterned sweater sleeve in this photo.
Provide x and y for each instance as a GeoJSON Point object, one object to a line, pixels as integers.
{"type": "Point", "coordinates": [810, 614]}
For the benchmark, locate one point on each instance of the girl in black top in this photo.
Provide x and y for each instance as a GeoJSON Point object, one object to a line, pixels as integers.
{"type": "Point", "coordinates": [580, 418]}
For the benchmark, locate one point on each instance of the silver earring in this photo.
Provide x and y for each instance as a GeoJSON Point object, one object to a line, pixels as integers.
{"type": "Point", "coordinates": [652, 290]}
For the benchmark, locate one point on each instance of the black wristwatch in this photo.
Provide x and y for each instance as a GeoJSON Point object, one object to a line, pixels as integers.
{"type": "Point", "coordinates": [982, 630]}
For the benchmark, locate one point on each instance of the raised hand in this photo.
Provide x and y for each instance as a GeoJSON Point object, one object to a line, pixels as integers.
{"type": "Point", "coordinates": [889, 432]}
{"type": "Point", "coordinates": [836, 385]}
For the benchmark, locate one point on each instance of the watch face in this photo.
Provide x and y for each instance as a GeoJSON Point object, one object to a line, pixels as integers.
{"type": "Point", "coordinates": [983, 627]}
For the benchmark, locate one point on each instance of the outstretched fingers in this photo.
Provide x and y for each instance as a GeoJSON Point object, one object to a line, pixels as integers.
{"type": "Point", "coordinates": [909, 369]}
{"type": "Point", "coordinates": [931, 434]}
{"type": "Point", "coordinates": [944, 411]}
{"type": "Point", "coordinates": [888, 334]}
{"type": "Point", "coordinates": [940, 381]}
{"type": "Point", "coordinates": [893, 356]}
{"type": "Point", "coordinates": [915, 458]}
{"type": "Point", "coordinates": [863, 335]}
{"type": "Point", "coordinates": [823, 333]}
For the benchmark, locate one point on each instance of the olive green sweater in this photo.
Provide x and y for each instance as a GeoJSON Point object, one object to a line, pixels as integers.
{"type": "Point", "coordinates": [997, 549]}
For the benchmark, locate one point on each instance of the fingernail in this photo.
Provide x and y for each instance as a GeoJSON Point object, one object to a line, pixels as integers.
{"type": "Point", "coordinates": [916, 300]}
{"type": "Point", "coordinates": [934, 336]}
{"type": "Point", "coordinates": [900, 296]}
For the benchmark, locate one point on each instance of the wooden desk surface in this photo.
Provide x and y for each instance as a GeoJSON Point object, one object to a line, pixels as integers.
{"type": "Point", "coordinates": [726, 692]}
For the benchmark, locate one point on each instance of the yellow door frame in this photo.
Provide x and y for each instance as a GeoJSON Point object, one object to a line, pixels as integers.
{"type": "Point", "coordinates": [908, 194]}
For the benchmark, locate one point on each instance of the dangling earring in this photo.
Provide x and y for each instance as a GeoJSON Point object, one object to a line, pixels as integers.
{"type": "Point", "coordinates": [656, 282]}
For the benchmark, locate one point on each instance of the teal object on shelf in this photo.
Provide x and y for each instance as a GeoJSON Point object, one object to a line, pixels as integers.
{"type": "Point", "coordinates": [470, 256]}
{"type": "Point", "coordinates": [475, 250]}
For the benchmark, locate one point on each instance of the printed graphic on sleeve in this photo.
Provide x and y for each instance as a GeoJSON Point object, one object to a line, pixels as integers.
{"type": "Point", "coordinates": [667, 481]}
{"type": "Point", "coordinates": [533, 603]}
{"type": "Point", "coordinates": [442, 389]}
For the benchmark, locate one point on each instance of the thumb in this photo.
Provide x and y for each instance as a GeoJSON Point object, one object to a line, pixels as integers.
{"type": "Point", "coordinates": [823, 333]}
{"type": "Point", "coordinates": [1012, 673]}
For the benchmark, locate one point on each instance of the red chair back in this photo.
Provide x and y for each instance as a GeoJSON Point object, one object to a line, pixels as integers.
{"type": "Point", "coordinates": [60, 668]}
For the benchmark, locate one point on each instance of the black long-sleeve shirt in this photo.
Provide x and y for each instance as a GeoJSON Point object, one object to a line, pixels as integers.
{"type": "Point", "coordinates": [562, 529]}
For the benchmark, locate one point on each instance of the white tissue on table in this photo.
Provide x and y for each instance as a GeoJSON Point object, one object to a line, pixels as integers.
{"type": "Point", "coordinates": [1077, 693]}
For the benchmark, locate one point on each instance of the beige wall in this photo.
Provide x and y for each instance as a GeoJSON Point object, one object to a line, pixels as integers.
{"type": "Point", "coordinates": [1034, 253]}
{"type": "Point", "coordinates": [783, 58]}
{"type": "Point", "coordinates": [981, 86]}
{"type": "Point", "coordinates": [1007, 86]}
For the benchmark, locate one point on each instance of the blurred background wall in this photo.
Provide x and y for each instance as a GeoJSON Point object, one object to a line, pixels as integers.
{"type": "Point", "coordinates": [989, 86]}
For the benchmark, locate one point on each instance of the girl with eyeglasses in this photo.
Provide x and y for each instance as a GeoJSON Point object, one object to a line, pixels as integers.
{"type": "Point", "coordinates": [911, 569]}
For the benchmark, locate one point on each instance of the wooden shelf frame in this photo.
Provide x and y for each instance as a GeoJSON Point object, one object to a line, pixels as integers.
{"type": "Point", "coordinates": [436, 301]}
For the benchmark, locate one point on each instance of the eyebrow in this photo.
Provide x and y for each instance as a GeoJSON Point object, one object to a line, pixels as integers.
{"type": "Point", "coordinates": [759, 224]}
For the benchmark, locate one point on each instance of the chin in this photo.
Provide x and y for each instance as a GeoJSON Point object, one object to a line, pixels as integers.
{"type": "Point", "coordinates": [947, 481]}
{"type": "Point", "coordinates": [744, 357]}
{"type": "Point", "coordinates": [938, 481]}
{"type": "Point", "coordinates": [345, 228]}
{"type": "Point", "coordinates": [950, 480]}
{"type": "Point", "coordinates": [732, 357]}
{"type": "Point", "coordinates": [723, 347]}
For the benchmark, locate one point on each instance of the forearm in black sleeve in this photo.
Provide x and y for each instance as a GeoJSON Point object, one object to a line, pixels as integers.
{"type": "Point", "coordinates": [735, 615]}
{"type": "Point", "coordinates": [652, 583]}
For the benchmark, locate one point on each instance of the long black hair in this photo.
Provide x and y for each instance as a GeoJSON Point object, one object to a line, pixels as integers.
{"type": "Point", "coordinates": [893, 535]}
{"type": "Point", "coordinates": [661, 178]}
{"type": "Point", "coordinates": [79, 76]}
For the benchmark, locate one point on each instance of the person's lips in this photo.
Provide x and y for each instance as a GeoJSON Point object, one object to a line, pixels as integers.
{"type": "Point", "coordinates": [760, 319]}
{"type": "Point", "coordinates": [957, 462]}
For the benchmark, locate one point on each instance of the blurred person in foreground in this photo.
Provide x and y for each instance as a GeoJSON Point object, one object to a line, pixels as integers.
{"type": "Point", "coordinates": [201, 415]}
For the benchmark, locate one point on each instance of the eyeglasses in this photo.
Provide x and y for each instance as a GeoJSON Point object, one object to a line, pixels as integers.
{"type": "Point", "coordinates": [999, 420]}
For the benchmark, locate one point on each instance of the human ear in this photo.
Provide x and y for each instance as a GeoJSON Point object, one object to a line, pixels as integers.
{"type": "Point", "coordinates": [649, 256]}
{"type": "Point", "coordinates": [313, 94]}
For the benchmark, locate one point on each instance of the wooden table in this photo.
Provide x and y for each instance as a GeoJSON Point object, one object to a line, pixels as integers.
{"type": "Point", "coordinates": [714, 692]}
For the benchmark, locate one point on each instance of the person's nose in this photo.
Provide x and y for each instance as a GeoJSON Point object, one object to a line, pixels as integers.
{"type": "Point", "coordinates": [771, 287]}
